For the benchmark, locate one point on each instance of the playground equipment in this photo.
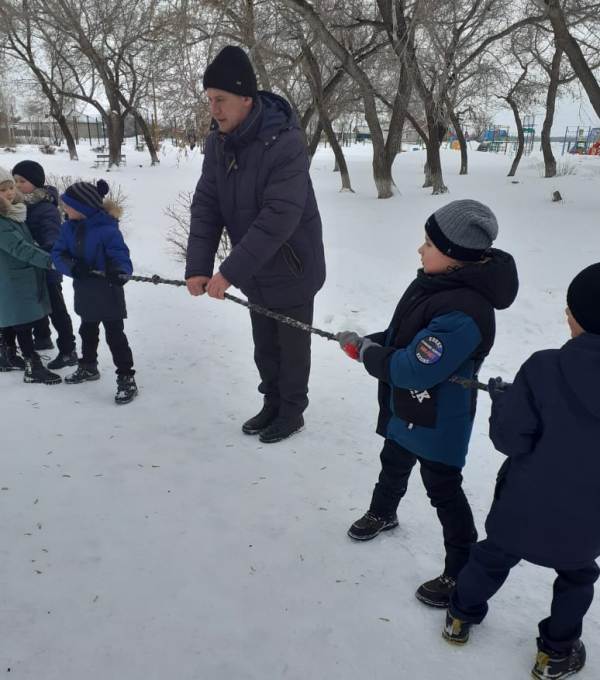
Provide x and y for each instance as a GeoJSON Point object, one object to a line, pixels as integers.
{"type": "Point", "coordinates": [581, 141]}
{"type": "Point", "coordinates": [529, 132]}
{"type": "Point", "coordinates": [495, 139]}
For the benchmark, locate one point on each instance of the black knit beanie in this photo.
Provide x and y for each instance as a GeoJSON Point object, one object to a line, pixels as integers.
{"type": "Point", "coordinates": [583, 298]}
{"type": "Point", "coordinates": [31, 171]}
{"type": "Point", "coordinates": [231, 71]}
{"type": "Point", "coordinates": [86, 198]}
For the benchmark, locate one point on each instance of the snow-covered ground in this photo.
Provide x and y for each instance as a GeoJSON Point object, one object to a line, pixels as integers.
{"type": "Point", "coordinates": [156, 541]}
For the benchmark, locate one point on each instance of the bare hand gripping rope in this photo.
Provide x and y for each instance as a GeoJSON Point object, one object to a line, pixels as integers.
{"type": "Point", "coordinates": [467, 383]}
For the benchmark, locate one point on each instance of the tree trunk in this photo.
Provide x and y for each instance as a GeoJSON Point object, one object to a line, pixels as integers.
{"type": "Point", "coordinates": [433, 167]}
{"type": "Point", "coordinates": [147, 134]}
{"type": "Point", "coordinates": [520, 137]}
{"type": "Point", "coordinates": [549, 160]}
{"type": "Point", "coordinates": [315, 83]}
{"type": "Point", "coordinates": [567, 42]}
{"type": "Point", "coordinates": [382, 172]}
{"type": "Point", "coordinates": [393, 143]}
{"type": "Point", "coordinates": [114, 132]}
{"type": "Point", "coordinates": [340, 160]}
{"type": "Point", "coordinates": [313, 145]}
{"type": "Point", "coordinates": [464, 155]}
{"type": "Point", "coordinates": [66, 132]}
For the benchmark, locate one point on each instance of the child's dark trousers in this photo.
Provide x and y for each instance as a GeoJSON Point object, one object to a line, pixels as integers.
{"type": "Point", "coordinates": [443, 484]}
{"type": "Point", "coordinates": [487, 569]}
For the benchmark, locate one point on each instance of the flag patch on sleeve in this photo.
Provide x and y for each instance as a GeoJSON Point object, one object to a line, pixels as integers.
{"type": "Point", "coordinates": [429, 350]}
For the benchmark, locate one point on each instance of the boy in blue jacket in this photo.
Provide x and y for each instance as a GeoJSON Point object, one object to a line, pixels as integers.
{"type": "Point", "coordinates": [443, 326]}
{"type": "Point", "coordinates": [43, 220]}
{"type": "Point", "coordinates": [546, 507]}
{"type": "Point", "coordinates": [90, 241]}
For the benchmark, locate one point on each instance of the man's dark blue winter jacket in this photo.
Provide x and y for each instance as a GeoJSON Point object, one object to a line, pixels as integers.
{"type": "Point", "coordinates": [547, 502]}
{"type": "Point", "coordinates": [255, 182]}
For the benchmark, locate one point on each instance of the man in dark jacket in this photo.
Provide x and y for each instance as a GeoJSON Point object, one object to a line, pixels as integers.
{"type": "Point", "coordinates": [255, 183]}
{"type": "Point", "coordinates": [546, 507]}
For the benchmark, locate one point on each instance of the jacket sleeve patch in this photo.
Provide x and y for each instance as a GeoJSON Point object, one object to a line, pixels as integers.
{"type": "Point", "coordinates": [429, 350]}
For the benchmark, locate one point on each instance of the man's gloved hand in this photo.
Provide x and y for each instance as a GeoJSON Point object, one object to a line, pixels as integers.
{"type": "Point", "coordinates": [80, 270]}
{"type": "Point", "coordinates": [117, 278]}
{"type": "Point", "coordinates": [353, 344]}
{"type": "Point", "coordinates": [497, 386]}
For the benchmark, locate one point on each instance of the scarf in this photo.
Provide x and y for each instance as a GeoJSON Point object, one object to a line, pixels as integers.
{"type": "Point", "coordinates": [17, 212]}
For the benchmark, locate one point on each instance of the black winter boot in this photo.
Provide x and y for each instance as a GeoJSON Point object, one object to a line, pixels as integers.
{"type": "Point", "coordinates": [455, 630]}
{"type": "Point", "coordinates": [126, 389]}
{"type": "Point", "coordinates": [261, 420]}
{"type": "Point", "coordinates": [84, 373]}
{"type": "Point", "coordinates": [43, 343]}
{"type": "Point", "coordinates": [63, 360]}
{"type": "Point", "coordinates": [36, 372]}
{"type": "Point", "coordinates": [9, 359]}
{"type": "Point", "coordinates": [436, 593]}
{"type": "Point", "coordinates": [551, 665]}
{"type": "Point", "coordinates": [280, 429]}
{"type": "Point", "coordinates": [371, 525]}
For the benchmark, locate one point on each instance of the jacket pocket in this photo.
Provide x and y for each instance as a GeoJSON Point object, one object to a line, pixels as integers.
{"type": "Point", "coordinates": [416, 407]}
{"type": "Point", "coordinates": [293, 262]}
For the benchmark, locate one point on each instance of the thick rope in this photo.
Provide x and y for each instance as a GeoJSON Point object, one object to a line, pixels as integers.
{"type": "Point", "coordinates": [467, 383]}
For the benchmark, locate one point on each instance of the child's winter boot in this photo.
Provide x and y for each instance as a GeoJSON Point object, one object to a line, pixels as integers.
{"type": "Point", "coordinates": [9, 359]}
{"type": "Point", "coordinates": [126, 389]}
{"type": "Point", "coordinates": [455, 630]}
{"type": "Point", "coordinates": [84, 373]}
{"type": "Point", "coordinates": [436, 593]}
{"type": "Point", "coordinates": [550, 665]}
{"type": "Point", "coordinates": [36, 372]}
{"type": "Point", "coordinates": [62, 360]}
{"type": "Point", "coordinates": [371, 525]}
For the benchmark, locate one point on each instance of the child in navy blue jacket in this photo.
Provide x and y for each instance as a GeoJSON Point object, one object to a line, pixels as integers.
{"type": "Point", "coordinates": [43, 220]}
{"type": "Point", "coordinates": [546, 507]}
{"type": "Point", "coordinates": [91, 249]}
{"type": "Point", "coordinates": [443, 326]}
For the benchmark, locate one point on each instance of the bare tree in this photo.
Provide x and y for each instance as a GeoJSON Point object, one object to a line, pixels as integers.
{"type": "Point", "coordinates": [19, 40]}
{"type": "Point", "coordinates": [562, 15]}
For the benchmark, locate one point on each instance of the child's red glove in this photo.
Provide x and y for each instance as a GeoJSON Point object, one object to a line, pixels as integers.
{"type": "Point", "coordinates": [353, 344]}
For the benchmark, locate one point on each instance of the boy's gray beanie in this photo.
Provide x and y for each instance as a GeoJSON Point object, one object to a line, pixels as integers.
{"type": "Point", "coordinates": [463, 230]}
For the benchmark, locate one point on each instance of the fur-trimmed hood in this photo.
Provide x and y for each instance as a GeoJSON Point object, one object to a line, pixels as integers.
{"type": "Point", "coordinates": [112, 208]}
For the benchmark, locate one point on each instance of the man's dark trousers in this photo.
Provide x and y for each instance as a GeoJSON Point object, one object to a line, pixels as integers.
{"type": "Point", "coordinates": [487, 569]}
{"type": "Point", "coordinates": [282, 356]}
{"type": "Point", "coordinates": [443, 484]}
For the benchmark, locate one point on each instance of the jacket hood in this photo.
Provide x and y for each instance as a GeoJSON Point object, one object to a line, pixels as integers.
{"type": "Point", "coordinates": [277, 114]}
{"type": "Point", "coordinates": [579, 361]}
{"type": "Point", "coordinates": [497, 279]}
{"type": "Point", "coordinates": [48, 194]}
